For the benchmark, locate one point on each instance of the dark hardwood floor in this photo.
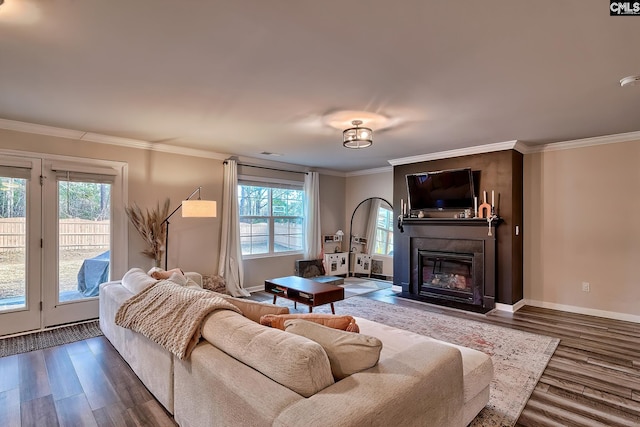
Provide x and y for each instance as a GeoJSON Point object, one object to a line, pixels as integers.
{"type": "Point", "coordinates": [593, 379]}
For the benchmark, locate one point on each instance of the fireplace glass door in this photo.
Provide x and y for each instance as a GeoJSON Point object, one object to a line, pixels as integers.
{"type": "Point", "coordinates": [447, 274]}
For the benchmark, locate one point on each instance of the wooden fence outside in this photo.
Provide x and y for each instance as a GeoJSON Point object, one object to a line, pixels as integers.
{"type": "Point", "coordinates": [73, 234]}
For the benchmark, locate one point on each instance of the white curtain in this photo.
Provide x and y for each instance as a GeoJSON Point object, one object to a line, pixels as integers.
{"type": "Point", "coordinates": [313, 231]}
{"type": "Point", "coordinates": [230, 264]}
{"type": "Point", "coordinates": [372, 224]}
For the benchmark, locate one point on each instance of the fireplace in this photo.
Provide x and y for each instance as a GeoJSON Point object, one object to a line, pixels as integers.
{"type": "Point", "coordinates": [450, 262]}
{"type": "Point", "coordinates": [450, 275]}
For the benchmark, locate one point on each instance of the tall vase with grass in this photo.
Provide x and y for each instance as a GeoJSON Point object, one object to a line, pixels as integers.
{"type": "Point", "coordinates": [149, 224]}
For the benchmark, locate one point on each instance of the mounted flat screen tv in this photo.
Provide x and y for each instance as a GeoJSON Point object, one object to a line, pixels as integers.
{"type": "Point", "coordinates": [447, 189]}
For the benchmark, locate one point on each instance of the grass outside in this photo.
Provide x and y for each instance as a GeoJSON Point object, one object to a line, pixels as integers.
{"type": "Point", "coordinates": [12, 270]}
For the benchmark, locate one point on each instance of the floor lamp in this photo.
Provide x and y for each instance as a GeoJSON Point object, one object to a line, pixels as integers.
{"type": "Point", "coordinates": [197, 208]}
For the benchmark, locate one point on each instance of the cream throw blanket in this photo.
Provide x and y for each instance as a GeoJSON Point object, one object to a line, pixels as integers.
{"type": "Point", "coordinates": [170, 315]}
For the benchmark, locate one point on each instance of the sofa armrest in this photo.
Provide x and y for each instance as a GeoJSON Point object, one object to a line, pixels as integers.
{"type": "Point", "coordinates": [420, 386]}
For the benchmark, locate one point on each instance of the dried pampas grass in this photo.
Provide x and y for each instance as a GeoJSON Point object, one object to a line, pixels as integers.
{"type": "Point", "coordinates": [149, 225]}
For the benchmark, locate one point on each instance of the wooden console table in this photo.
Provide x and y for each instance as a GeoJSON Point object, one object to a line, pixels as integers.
{"type": "Point", "coordinates": [304, 291]}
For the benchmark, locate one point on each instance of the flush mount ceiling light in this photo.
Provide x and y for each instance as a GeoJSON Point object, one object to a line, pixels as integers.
{"type": "Point", "coordinates": [630, 81]}
{"type": "Point", "coordinates": [357, 137]}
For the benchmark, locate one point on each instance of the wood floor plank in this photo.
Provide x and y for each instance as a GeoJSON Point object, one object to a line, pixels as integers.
{"type": "Point", "coordinates": [62, 375]}
{"type": "Point", "coordinates": [95, 384]}
{"type": "Point", "coordinates": [10, 377]}
{"type": "Point", "coordinates": [39, 412]}
{"type": "Point", "coordinates": [628, 405]}
{"type": "Point", "coordinates": [10, 408]}
{"type": "Point", "coordinates": [115, 415]}
{"type": "Point", "coordinates": [151, 414]}
{"type": "Point", "coordinates": [34, 382]}
{"type": "Point", "coordinates": [74, 411]}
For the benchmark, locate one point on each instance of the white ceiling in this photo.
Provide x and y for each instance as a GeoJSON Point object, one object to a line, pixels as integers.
{"type": "Point", "coordinates": [243, 77]}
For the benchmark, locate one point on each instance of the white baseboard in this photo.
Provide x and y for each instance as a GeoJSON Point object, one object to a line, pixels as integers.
{"type": "Point", "coordinates": [584, 310]}
{"type": "Point", "coordinates": [511, 308]}
{"type": "Point", "coordinates": [253, 289]}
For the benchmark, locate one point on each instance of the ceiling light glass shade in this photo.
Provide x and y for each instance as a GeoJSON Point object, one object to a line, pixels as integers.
{"type": "Point", "coordinates": [199, 208]}
{"type": "Point", "coordinates": [630, 81]}
{"type": "Point", "coordinates": [357, 137]}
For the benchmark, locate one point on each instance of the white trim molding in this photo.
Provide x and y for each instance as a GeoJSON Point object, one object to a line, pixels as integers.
{"type": "Point", "coordinates": [584, 310]}
{"type": "Point", "coordinates": [370, 171]}
{"type": "Point", "coordinates": [585, 142]}
{"type": "Point", "coordinates": [511, 308]}
{"type": "Point", "coordinates": [479, 149]}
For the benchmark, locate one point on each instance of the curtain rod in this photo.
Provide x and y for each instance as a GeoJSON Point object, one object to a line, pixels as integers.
{"type": "Point", "coordinates": [265, 167]}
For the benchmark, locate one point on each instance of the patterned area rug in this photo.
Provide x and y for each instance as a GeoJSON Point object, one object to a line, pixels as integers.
{"type": "Point", "coordinates": [49, 338]}
{"type": "Point", "coordinates": [357, 286]}
{"type": "Point", "coordinates": [519, 358]}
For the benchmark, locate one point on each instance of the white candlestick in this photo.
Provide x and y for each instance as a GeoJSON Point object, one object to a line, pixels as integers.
{"type": "Point", "coordinates": [475, 206]}
{"type": "Point", "coordinates": [401, 206]}
{"type": "Point", "coordinates": [492, 199]}
{"type": "Point", "coordinates": [485, 196]}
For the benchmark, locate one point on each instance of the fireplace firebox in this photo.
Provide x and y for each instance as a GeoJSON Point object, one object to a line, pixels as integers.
{"type": "Point", "coordinates": [450, 275]}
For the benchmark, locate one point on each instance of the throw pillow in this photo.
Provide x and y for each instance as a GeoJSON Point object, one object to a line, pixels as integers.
{"type": "Point", "coordinates": [345, 323]}
{"type": "Point", "coordinates": [136, 280]}
{"type": "Point", "coordinates": [348, 352]}
{"type": "Point", "coordinates": [255, 310]}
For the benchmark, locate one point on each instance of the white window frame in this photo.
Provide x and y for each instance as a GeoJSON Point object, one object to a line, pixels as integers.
{"type": "Point", "coordinates": [272, 183]}
{"type": "Point", "coordinates": [387, 231]}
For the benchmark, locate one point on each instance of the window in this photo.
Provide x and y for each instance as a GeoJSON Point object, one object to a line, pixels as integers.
{"type": "Point", "coordinates": [271, 220]}
{"type": "Point", "coordinates": [384, 232]}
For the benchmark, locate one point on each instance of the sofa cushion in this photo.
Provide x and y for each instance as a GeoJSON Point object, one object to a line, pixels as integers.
{"type": "Point", "coordinates": [291, 360]}
{"type": "Point", "coordinates": [345, 323]}
{"type": "Point", "coordinates": [348, 352]}
{"type": "Point", "coordinates": [254, 310]}
{"type": "Point", "coordinates": [136, 280]}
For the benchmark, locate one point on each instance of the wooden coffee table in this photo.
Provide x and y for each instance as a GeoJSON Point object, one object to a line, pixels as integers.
{"type": "Point", "coordinates": [304, 291]}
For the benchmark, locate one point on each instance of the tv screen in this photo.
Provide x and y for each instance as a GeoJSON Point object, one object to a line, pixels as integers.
{"type": "Point", "coordinates": [447, 189]}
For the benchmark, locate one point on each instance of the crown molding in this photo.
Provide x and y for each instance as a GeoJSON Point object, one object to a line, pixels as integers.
{"type": "Point", "coordinates": [40, 129]}
{"type": "Point", "coordinates": [487, 148]}
{"type": "Point", "coordinates": [370, 171]}
{"type": "Point", "coordinates": [107, 139]}
{"type": "Point", "coordinates": [585, 142]}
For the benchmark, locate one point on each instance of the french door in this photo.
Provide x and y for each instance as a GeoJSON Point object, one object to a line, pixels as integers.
{"type": "Point", "coordinates": [55, 240]}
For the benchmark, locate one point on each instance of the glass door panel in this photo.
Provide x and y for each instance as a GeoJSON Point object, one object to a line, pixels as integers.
{"type": "Point", "coordinates": [84, 212]}
{"type": "Point", "coordinates": [20, 213]}
{"type": "Point", "coordinates": [13, 243]}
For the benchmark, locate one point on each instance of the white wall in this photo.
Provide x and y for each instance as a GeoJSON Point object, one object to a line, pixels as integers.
{"type": "Point", "coordinates": [581, 225]}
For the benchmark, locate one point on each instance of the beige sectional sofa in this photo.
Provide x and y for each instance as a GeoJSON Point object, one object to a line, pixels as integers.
{"type": "Point", "coordinates": [244, 373]}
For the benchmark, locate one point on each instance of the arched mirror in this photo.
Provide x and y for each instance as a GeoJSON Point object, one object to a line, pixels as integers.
{"type": "Point", "coordinates": [371, 239]}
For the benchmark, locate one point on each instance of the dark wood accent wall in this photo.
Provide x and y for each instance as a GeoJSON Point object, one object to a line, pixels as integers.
{"type": "Point", "coordinates": [500, 171]}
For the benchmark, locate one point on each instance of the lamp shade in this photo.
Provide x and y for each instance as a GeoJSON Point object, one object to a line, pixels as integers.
{"type": "Point", "coordinates": [199, 208]}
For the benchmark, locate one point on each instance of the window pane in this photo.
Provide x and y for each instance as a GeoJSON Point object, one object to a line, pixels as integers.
{"type": "Point", "coordinates": [384, 232]}
{"type": "Point", "coordinates": [287, 234]}
{"type": "Point", "coordinates": [84, 213]}
{"type": "Point", "coordinates": [253, 200]}
{"type": "Point", "coordinates": [287, 202]}
{"type": "Point", "coordinates": [13, 232]}
{"type": "Point", "coordinates": [254, 235]}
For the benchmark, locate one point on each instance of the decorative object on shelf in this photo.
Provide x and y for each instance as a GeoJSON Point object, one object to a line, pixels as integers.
{"type": "Point", "coordinates": [149, 225]}
{"type": "Point", "coordinates": [486, 210]}
{"type": "Point", "coordinates": [197, 208]}
{"type": "Point", "coordinates": [338, 236]}
{"type": "Point", "coordinates": [357, 137]}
